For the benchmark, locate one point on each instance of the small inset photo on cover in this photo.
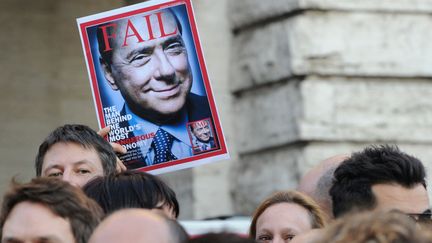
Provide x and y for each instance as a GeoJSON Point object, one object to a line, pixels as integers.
{"type": "Point", "coordinates": [202, 136]}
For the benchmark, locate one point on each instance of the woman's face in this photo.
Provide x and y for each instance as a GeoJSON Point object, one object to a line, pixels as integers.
{"type": "Point", "coordinates": [282, 222]}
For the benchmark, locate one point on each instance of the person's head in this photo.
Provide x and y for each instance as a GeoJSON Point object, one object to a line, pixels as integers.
{"type": "Point", "coordinates": [283, 215]}
{"type": "Point", "coordinates": [139, 226]}
{"type": "Point", "coordinates": [47, 210]}
{"type": "Point", "coordinates": [316, 183]}
{"type": "Point", "coordinates": [133, 189]}
{"type": "Point", "coordinates": [145, 58]}
{"type": "Point", "coordinates": [380, 177]}
{"type": "Point", "coordinates": [76, 154]}
{"type": "Point", "coordinates": [221, 237]}
{"type": "Point", "coordinates": [201, 130]}
{"type": "Point", "coordinates": [376, 227]}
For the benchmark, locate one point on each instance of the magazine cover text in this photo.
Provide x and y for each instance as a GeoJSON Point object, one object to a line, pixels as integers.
{"type": "Point", "coordinates": [150, 85]}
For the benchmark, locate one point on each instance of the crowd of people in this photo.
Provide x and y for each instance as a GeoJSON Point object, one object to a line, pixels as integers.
{"type": "Point", "coordinates": [82, 193]}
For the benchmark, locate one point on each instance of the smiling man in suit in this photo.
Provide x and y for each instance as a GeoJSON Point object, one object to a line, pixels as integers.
{"type": "Point", "coordinates": [144, 57]}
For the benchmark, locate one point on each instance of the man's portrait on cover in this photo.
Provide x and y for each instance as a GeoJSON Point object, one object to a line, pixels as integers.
{"type": "Point", "coordinates": [202, 136]}
{"type": "Point", "coordinates": [144, 57]}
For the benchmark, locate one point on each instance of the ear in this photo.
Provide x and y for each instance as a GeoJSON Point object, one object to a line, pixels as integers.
{"type": "Point", "coordinates": [108, 74]}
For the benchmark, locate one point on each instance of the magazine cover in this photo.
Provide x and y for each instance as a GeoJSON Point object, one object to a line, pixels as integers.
{"type": "Point", "coordinates": [150, 85]}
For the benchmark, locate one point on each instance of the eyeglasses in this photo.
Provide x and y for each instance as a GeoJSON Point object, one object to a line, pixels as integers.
{"type": "Point", "coordinates": [425, 217]}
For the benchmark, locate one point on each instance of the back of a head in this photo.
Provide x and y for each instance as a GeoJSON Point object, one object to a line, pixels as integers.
{"type": "Point", "coordinates": [83, 136]}
{"type": "Point", "coordinates": [221, 237]}
{"type": "Point", "coordinates": [132, 189]}
{"type": "Point", "coordinates": [354, 178]}
{"type": "Point", "coordinates": [63, 199]}
{"type": "Point", "coordinates": [375, 227]}
{"type": "Point", "coordinates": [317, 182]}
{"type": "Point", "coordinates": [139, 226]}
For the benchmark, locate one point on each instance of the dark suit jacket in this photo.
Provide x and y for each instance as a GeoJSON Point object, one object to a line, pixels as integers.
{"type": "Point", "coordinates": [197, 108]}
{"type": "Point", "coordinates": [211, 143]}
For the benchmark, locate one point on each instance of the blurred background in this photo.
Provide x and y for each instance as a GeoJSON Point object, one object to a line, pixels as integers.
{"type": "Point", "coordinates": [295, 81]}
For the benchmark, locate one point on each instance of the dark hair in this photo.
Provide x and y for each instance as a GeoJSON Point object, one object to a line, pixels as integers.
{"type": "Point", "coordinates": [81, 135]}
{"type": "Point", "coordinates": [131, 189]}
{"type": "Point", "coordinates": [354, 178]}
{"type": "Point", "coordinates": [316, 216]}
{"type": "Point", "coordinates": [106, 56]}
{"type": "Point", "coordinates": [61, 198]}
{"type": "Point", "coordinates": [221, 237]}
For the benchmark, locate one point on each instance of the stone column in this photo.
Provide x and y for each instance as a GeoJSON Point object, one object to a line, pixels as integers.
{"type": "Point", "coordinates": [314, 78]}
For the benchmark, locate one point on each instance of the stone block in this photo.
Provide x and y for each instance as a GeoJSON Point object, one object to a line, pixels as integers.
{"type": "Point", "coordinates": [248, 12]}
{"type": "Point", "coordinates": [253, 12]}
{"type": "Point", "coordinates": [267, 117]}
{"type": "Point", "coordinates": [334, 43]}
{"type": "Point", "coordinates": [404, 6]}
{"type": "Point", "coordinates": [361, 44]}
{"type": "Point", "coordinates": [261, 56]}
{"type": "Point", "coordinates": [334, 109]}
{"type": "Point", "coordinates": [350, 109]}
{"type": "Point", "coordinates": [257, 175]}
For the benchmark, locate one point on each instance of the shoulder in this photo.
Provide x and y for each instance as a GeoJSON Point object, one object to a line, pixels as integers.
{"type": "Point", "coordinates": [198, 107]}
{"type": "Point", "coordinates": [197, 99]}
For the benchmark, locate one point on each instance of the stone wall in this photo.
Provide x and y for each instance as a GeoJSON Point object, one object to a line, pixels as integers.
{"type": "Point", "coordinates": [44, 81]}
{"type": "Point", "coordinates": [314, 78]}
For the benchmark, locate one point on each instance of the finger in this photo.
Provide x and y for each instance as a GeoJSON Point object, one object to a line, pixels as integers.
{"type": "Point", "coordinates": [118, 148]}
{"type": "Point", "coordinates": [120, 167]}
{"type": "Point", "coordinates": [104, 131]}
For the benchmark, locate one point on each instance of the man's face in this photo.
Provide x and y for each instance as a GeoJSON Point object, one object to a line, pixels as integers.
{"type": "Point", "coordinates": [201, 130]}
{"type": "Point", "coordinates": [35, 223]}
{"type": "Point", "coordinates": [153, 76]}
{"type": "Point", "coordinates": [72, 162]}
{"type": "Point", "coordinates": [396, 197]}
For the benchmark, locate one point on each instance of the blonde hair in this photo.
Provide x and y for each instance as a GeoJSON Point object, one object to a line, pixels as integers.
{"type": "Point", "coordinates": [375, 227]}
{"type": "Point", "coordinates": [315, 213]}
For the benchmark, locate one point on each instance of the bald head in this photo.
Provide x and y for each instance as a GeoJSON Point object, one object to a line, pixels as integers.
{"type": "Point", "coordinates": [138, 225]}
{"type": "Point", "coordinates": [316, 183]}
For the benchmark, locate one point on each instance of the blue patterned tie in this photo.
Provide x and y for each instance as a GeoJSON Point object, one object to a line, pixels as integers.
{"type": "Point", "coordinates": [162, 143]}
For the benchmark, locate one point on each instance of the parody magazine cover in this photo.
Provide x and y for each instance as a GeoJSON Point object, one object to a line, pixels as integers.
{"type": "Point", "coordinates": [150, 85]}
